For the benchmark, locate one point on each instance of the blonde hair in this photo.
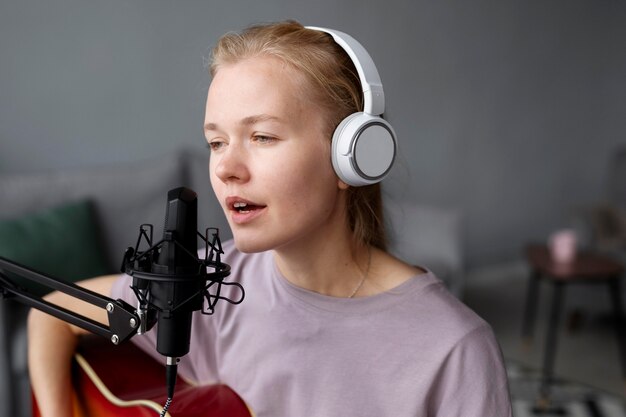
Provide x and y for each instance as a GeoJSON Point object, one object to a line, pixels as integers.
{"type": "Point", "coordinates": [331, 81]}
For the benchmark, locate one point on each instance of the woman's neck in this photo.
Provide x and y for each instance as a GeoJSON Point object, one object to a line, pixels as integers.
{"type": "Point", "coordinates": [332, 265]}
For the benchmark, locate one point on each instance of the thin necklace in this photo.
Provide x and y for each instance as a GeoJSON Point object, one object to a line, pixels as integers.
{"type": "Point", "coordinates": [367, 270]}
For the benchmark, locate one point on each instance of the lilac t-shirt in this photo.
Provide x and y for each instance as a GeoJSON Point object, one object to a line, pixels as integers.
{"type": "Point", "coordinates": [413, 351]}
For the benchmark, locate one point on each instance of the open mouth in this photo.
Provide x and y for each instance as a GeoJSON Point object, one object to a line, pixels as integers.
{"type": "Point", "coordinates": [242, 206]}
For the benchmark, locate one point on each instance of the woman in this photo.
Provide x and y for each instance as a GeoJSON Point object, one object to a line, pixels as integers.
{"type": "Point", "coordinates": [331, 324]}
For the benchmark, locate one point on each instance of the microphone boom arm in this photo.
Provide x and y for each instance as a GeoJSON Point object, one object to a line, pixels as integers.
{"type": "Point", "coordinates": [123, 321]}
{"type": "Point", "coordinates": [168, 279]}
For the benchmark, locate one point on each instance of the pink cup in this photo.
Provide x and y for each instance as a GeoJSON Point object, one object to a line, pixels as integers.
{"type": "Point", "coordinates": [562, 246]}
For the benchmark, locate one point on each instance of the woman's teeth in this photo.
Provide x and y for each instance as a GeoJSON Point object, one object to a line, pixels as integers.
{"type": "Point", "coordinates": [241, 207]}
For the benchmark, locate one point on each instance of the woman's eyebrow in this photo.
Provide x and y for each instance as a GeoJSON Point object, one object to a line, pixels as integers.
{"type": "Point", "coordinates": [246, 121]}
{"type": "Point", "coordinates": [210, 126]}
{"type": "Point", "coordinates": [250, 120]}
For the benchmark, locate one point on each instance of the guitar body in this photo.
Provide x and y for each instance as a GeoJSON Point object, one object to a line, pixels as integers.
{"type": "Point", "coordinates": [122, 381]}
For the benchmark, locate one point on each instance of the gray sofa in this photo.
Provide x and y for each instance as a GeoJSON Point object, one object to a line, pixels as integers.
{"type": "Point", "coordinates": [123, 197]}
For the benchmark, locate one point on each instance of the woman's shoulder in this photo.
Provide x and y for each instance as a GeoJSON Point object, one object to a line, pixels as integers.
{"type": "Point", "coordinates": [430, 300]}
{"type": "Point", "coordinates": [387, 272]}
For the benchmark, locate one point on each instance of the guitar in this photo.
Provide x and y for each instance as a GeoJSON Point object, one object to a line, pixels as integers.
{"type": "Point", "coordinates": [123, 381]}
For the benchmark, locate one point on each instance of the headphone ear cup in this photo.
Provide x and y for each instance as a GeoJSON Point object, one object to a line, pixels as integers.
{"type": "Point", "coordinates": [363, 149]}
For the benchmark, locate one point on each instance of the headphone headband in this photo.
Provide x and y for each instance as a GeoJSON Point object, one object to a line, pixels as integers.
{"type": "Point", "coordinates": [363, 144]}
{"type": "Point", "coordinates": [373, 94]}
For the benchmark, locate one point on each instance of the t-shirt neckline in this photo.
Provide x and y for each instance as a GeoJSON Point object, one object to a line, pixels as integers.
{"type": "Point", "coordinates": [401, 293]}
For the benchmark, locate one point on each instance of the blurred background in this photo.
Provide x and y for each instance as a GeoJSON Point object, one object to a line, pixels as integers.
{"type": "Point", "coordinates": [509, 114]}
{"type": "Point", "coordinates": [506, 110]}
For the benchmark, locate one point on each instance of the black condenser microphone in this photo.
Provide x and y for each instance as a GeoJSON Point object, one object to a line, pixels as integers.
{"type": "Point", "coordinates": [180, 293]}
{"type": "Point", "coordinates": [171, 282]}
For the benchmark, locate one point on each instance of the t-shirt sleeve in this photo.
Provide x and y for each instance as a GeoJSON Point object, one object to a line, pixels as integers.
{"type": "Point", "coordinates": [473, 381]}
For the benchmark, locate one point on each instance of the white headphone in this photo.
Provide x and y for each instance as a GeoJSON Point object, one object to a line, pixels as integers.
{"type": "Point", "coordinates": [364, 144]}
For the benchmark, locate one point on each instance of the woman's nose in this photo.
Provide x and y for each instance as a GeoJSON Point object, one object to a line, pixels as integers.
{"type": "Point", "coordinates": [230, 165]}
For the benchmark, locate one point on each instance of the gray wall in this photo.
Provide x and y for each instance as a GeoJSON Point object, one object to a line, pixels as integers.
{"type": "Point", "coordinates": [506, 110]}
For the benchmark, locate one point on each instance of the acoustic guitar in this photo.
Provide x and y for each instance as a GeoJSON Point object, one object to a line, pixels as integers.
{"type": "Point", "coordinates": [122, 381]}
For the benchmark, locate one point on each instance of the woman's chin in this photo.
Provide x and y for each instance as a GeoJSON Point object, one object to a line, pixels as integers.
{"type": "Point", "coordinates": [248, 244]}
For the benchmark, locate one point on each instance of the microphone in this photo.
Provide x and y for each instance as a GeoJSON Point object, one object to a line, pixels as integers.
{"type": "Point", "coordinates": [180, 293]}
{"type": "Point", "coordinates": [171, 282]}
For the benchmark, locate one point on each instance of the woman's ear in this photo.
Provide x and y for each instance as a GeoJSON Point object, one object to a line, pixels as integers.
{"type": "Point", "coordinates": [342, 185]}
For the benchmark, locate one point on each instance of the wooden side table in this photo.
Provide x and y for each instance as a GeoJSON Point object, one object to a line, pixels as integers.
{"type": "Point", "coordinates": [587, 268]}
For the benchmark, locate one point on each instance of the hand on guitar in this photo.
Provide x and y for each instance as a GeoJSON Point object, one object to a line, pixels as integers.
{"type": "Point", "coordinates": [51, 346]}
{"type": "Point", "coordinates": [123, 381]}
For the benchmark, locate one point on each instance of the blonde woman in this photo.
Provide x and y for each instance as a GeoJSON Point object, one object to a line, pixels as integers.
{"type": "Point", "coordinates": [332, 325]}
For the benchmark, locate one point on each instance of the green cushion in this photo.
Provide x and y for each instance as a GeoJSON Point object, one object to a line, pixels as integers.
{"type": "Point", "coordinates": [62, 242]}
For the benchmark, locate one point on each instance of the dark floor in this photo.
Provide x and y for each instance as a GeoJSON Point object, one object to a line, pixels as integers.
{"type": "Point", "coordinates": [587, 347]}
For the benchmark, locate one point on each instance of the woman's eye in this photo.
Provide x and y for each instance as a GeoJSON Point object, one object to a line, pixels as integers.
{"type": "Point", "coordinates": [263, 139]}
{"type": "Point", "coordinates": [215, 145]}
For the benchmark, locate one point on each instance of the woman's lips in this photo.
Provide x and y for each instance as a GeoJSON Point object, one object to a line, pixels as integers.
{"type": "Point", "coordinates": [242, 210]}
